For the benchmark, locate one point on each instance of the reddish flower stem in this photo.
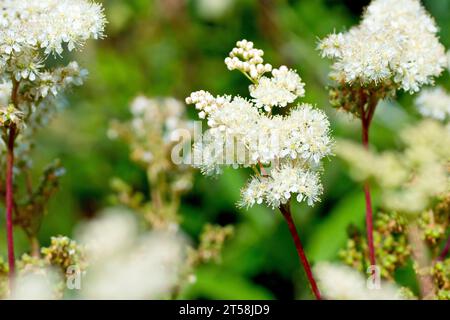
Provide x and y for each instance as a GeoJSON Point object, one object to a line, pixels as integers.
{"type": "Point", "coordinates": [286, 211]}
{"type": "Point", "coordinates": [366, 119]}
{"type": "Point", "coordinates": [9, 192]}
{"type": "Point", "coordinates": [10, 200]}
{"type": "Point", "coordinates": [445, 250]}
{"type": "Point", "coordinates": [368, 199]}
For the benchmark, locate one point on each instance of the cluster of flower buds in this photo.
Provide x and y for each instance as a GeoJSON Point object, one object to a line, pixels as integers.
{"type": "Point", "coordinates": [10, 115]}
{"type": "Point", "coordinates": [205, 102]}
{"type": "Point", "coordinates": [247, 59]}
{"type": "Point", "coordinates": [64, 253]}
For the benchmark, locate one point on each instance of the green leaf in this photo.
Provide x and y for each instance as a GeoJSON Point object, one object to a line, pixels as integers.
{"type": "Point", "coordinates": [216, 283]}
{"type": "Point", "coordinates": [331, 234]}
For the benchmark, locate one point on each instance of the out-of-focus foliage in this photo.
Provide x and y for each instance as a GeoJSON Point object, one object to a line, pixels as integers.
{"type": "Point", "coordinates": [174, 47]}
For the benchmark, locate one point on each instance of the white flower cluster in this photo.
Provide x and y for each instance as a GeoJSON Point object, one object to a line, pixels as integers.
{"type": "Point", "coordinates": [434, 103]}
{"type": "Point", "coordinates": [409, 179]}
{"type": "Point", "coordinates": [396, 43]}
{"type": "Point", "coordinates": [249, 60]}
{"type": "Point", "coordinates": [283, 88]}
{"type": "Point", "coordinates": [340, 282]}
{"type": "Point", "coordinates": [29, 26]}
{"type": "Point", "coordinates": [165, 115]}
{"type": "Point", "coordinates": [242, 135]}
{"type": "Point", "coordinates": [58, 80]}
{"type": "Point", "coordinates": [156, 125]}
{"type": "Point", "coordinates": [302, 136]}
{"type": "Point", "coordinates": [277, 188]}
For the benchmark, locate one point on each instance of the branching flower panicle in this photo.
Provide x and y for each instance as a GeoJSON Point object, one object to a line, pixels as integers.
{"type": "Point", "coordinates": [242, 135]}
{"type": "Point", "coordinates": [285, 151]}
{"type": "Point", "coordinates": [157, 125]}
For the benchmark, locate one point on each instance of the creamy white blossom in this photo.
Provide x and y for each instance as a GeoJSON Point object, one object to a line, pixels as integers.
{"type": "Point", "coordinates": [49, 24]}
{"type": "Point", "coordinates": [57, 80]}
{"type": "Point", "coordinates": [278, 188]}
{"type": "Point", "coordinates": [285, 151]}
{"type": "Point", "coordinates": [283, 88]}
{"type": "Point", "coordinates": [396, 42]}
{"type": "Point", "coordinates": [239, 134]}
{"type": "Point", "coordinates": [29, 27]}
{"type": "Point", "coordinates": [434, 103]}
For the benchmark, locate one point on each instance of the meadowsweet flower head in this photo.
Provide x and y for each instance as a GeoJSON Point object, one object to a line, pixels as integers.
{"type": "Point", "coordinates": [245, 133]}
{"type": "Point", "coordinates": [434, 103]}
{"type": "Point", "coordinates": [395, 44]}
{"type": "Point", "coordinates": [49, 25]}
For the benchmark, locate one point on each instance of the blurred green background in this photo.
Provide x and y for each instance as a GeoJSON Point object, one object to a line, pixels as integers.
{"type": "Point", "coordinates": [173, 47]}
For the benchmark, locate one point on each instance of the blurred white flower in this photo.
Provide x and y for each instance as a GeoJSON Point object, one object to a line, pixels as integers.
{"type": "Point", "coordinates": [434, 103]}
{"type": "Point", "coordinates": [448, 60]}
{"type": "Point", "coordinates": [213, 9]}
{"type": "Point", "coordinates": [340, 282]}
{"type": "Point", "coordinates": [35, 285]}
{"type": "Point", "coordinates": [409, 179]}
{"type": "Point", "coordinates": [5, 93]}
{"type": "Point", "coordinates": [113, 232]}
{"type": "Point", "coordinates": [129, 264]}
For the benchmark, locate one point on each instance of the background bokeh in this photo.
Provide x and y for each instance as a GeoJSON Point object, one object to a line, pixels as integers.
{"type": "Point", "coordinates": [173, 47]}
